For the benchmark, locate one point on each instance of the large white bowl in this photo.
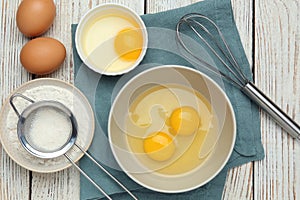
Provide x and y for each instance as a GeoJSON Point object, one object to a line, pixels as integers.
{"type": "Point", "coordinates": [216, 160]}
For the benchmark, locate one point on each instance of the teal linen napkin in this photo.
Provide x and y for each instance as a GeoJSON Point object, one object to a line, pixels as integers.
{"type": "Point", "coordinates": [101, 90]}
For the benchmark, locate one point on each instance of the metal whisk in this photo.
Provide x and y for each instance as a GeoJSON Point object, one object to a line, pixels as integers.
{"type": "Point", "coordinates": [204, 30]}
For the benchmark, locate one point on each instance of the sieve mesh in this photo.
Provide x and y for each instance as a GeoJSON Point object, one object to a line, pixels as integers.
{"type": "Point", "coordinates": [47, 129]}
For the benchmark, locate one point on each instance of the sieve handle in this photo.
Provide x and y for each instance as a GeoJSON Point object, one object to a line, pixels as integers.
{"type": "Point", "coordinates": [104, 170]}
{"type": "Point", "coordinates": [87, 176]}
{"type": "Point", "coordinates": [270, 107]}
{"type": "Point", "coordinates": [13, 105]}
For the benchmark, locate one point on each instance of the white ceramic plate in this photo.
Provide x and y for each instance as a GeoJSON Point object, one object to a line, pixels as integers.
{"type": "Point", "coordinates": [47, 89]}
{"type": "Point", "coordinates": [215, 161]}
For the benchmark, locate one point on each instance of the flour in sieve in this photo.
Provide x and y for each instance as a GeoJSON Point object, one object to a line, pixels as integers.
{"type": "Point", "coordinates": [49, 129]}
{"type": "Point", "coordinates": [40, 93]}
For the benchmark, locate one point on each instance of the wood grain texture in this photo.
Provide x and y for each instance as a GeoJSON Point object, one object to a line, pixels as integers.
{"type": "Point", "coordinates": [154, 6]}
{"type": "Point", "coordinates": [236, 186]}
{"type": "Point", "coordinates": [277, 70]}
{"type": "Point", "coordinates": [14, 180]}
{"type": "Point", "coordinates": [65, 184]}
{"type": "Point", "coordinates": [243, 16]}
{"type": "Point", "coordinates": [276, 65]}
{"type": "Point", "coordinates": [239, 184]}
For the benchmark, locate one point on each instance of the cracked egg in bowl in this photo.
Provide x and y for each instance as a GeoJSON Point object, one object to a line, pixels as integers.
{"type": "Point", "coordinates": [111, 39]}
{"type": "Point", "coordinates": [171, 133]}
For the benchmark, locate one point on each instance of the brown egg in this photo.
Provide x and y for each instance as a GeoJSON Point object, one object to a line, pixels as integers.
{"type": "Point", "coordinates": [34, 17]}
{"type": "Point", "coordinates": [42, 55]}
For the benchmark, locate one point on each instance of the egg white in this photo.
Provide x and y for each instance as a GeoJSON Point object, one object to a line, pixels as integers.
{"type": "Point", "coordinates": [150, 112]}
{"type": "Point", "coordinates": [98, 43]}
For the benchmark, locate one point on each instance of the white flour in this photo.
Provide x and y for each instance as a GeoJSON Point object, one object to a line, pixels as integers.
{"type": "Point", "coordinates": [40, 93]}
{"type": "Point", "coordinates": [49, 129]}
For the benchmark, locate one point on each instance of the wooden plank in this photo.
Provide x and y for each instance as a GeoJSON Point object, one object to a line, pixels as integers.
{"type": "Point", "coordinates": [65, 184]}
{"type": "Point", "coordinates": [239, 184]}
{"type": "Point", "coordinates": [243, 16]}
{"type": "Point", "coordinates": [14, 180]}
{"type": "Point", "coordinates": [276, 54]}
{"type": "Point", "coordinates": [277, 70]}
{"type": "Point", "coordinates": [239, 180]}
{"type": "Point", "coordinates": [153, 6]}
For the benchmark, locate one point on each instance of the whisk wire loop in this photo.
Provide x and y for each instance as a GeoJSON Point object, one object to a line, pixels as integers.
{"type": "Point", "coordinates": [202, 61]}
{"type": "Point", "coordinates": [228, 55]}
{"type": "Point", "coordinates": [193, 21]}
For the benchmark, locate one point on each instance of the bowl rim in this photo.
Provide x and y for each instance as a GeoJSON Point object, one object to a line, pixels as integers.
{"type": "Point", "coordinates": [85, 18]}
{"type": "Point", "coordinates": [230, 108]}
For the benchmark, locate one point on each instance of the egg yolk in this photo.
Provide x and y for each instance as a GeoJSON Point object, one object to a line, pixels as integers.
{"type": "Point", "coordinates": [128, 44]}
{"type": "Point", "coordinates": [159, 146]}
{"type": "Point", "coordinates": [184, 121]}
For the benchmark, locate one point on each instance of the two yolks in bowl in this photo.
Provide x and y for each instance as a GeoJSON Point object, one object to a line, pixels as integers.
{"type": "Point", "coordinates": [183, 121]}
{"type": "Point", "coordinates": [167, 126]}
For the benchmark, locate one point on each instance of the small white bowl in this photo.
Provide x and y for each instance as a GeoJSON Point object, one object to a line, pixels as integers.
{"type": "Point", "coordinates": [214, 162]}
{"type": "Point", "coordinates": [94, 59]}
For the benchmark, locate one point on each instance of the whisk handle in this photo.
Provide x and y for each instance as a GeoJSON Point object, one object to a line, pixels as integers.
{"type": "Point", "coordinates": [271, 108]}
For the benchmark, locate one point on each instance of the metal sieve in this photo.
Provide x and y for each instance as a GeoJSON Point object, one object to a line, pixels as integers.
{"type": "Point", "coordinates": [32, 142]}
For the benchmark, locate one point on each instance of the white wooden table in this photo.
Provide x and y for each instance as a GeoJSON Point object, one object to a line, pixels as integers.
{"type": "Point", "coordinates": [270, 32]}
